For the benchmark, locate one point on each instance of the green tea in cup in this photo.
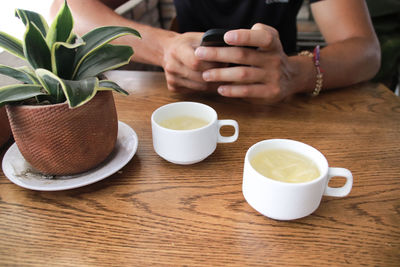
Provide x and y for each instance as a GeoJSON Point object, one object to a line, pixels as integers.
{"type": "Point", "coordinates": [285, 179]}
{"type": "Point", "coordinates": [188, 132]}
{"type": "Point", "coordinates": [285, 166]}
{"type": "Point", "coordinates": [183, 123]}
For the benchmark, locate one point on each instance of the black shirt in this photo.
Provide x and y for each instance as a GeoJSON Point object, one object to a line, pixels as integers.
{"type": "Point", "coordinates": [202, 15]}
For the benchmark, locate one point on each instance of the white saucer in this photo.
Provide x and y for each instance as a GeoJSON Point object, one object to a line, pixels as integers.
{"type": "Point", "coordinates": [18, 171]}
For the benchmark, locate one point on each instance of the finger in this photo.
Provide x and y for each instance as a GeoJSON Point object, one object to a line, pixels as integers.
{"type": "Point", "coordinates": [238, 55]}
{"type": "Point", "coordinates": [174, 81]}
{"type": "Point", "coordinates": [190, 63]}
{"type": "Point", "coordinates": [271, 93]}
{"type": "Point", "coordinates": [176, 68]}
{"type": "Point", "coordinates": [186, 54]}
{"type": "Point", "coordinates": [240, 74]}
{"type": "Point", "coordinates": [260, 35]}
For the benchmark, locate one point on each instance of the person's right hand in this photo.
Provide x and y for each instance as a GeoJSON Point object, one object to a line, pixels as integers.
{"type": "Point", "coordinates": [183, 70]}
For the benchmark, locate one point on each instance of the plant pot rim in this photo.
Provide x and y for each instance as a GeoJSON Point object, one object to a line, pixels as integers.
{"type": "Point", "coordinates": [36, 106]}
{"type": "Point", "coordinates": [49, 105]}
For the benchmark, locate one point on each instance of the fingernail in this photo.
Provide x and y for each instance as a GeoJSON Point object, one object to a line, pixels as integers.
{"type": "Point", "coordinates": [200, 52]}
{"type": "Point", "coordinates": [221, 90]}
{"type": "Point", "coordinates": [230, 37]}
{"type": "Point", "coordinates": [206, 75]}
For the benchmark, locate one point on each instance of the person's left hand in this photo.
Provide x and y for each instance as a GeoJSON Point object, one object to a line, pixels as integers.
{"type": "Point", "coordinates": [264, 72]}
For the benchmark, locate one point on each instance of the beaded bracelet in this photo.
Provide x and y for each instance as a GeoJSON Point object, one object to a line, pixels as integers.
{"type": "Point", "coordinates": [315, 57]}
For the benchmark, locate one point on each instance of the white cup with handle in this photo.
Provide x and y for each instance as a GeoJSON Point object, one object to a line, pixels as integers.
{"type": "Point", "coordinates": [288, 201]}
{"type": "Point", "coordinates": [188, 146]}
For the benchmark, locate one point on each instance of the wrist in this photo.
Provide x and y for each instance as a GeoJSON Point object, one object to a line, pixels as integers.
{"type": "Point", "coordinates": [319, 78]}
{"type": "Point", "coordinates": [303, 78]}
{"type": "Point", "coordinates": [160, 40]}
{"type": "Point", "coordinates": [150, 48]}
{"type": "Point", "coordinates": [166, 42]}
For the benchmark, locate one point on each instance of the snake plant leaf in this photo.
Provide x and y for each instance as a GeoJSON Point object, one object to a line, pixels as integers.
{"type": "Point", "coordinates": [110, 85]}
{"type": "Point", "coordinates": [12, 45]}
{"type": "Point", "coordinates": [62, 58]}
{"type": "Point", "coordinates": [80, 92]}
{"type": "Point", "coordinates": [35, 48]}
{"type": "Point", "coordinates": [18, 74]}
{"type": "Point", "coordinates": [28, 70]}
{"type": "Point", "coordinates": [19, 92]}
{"type": "Point", "coordinates": [74, 38]}
{"type": "Point", "coordinates": [61, 27]}
{"type": "Point", "coordinates": [105, 58]}
{"type": "Point", "coordinates": [51, 85]}
{"type": "Point", "coordinates": [30, 16]}
{"type": "Point", "coordinates": [77, 93]}
{"type": "Point", "coordinates": [98, 38]}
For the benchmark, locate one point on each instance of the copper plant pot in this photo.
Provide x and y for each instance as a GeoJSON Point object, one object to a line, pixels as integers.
{"type": "Point", "coordinates": [5, 131]}
{"type": "Point", "coordinates": [57, 140]}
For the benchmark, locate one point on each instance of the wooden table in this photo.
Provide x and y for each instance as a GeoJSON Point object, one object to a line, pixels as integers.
{"type": "Point", "coordinates": [156, 213]}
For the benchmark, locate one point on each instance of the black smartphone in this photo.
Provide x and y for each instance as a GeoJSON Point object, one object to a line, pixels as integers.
{"type": "Point", "coordinates": [214, 37]}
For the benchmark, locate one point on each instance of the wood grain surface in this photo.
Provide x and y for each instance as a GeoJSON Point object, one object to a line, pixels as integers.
{"type": "Point", "coordinates": [155, 213]}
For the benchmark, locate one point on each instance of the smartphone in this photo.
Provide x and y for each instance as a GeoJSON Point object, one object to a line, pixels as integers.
{"type": "Point", "coordinates": [214, 37]}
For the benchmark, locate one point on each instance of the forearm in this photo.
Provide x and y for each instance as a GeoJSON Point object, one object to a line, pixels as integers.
{"type": "Point", "coordinates": [343, 63]}
{"type": "Point", "coordinates": [352, 54]}
{"type": "Point", "coordinates": [90, 14]}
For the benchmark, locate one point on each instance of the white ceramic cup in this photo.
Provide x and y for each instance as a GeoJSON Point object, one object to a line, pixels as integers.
{"type": "Point", "coordinates": [288, 201]}
{"type": "Point", "coordinates": [189, 146]}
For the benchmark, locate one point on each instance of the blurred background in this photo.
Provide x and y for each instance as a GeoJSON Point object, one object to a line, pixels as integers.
{"type": "Point", "coordinates": [12, 25]}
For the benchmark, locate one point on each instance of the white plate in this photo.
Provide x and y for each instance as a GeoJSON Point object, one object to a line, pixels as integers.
{"type": "Point", "coordinates": [18, 171]}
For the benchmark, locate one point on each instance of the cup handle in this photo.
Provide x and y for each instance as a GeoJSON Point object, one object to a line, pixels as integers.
{"type": "Point", "coordinates": [228, 139]}
{"type": "Point", "coordinates": [340, 191]}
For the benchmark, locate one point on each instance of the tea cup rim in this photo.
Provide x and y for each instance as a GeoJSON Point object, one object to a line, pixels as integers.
{"type": "Point", "coordinates": [323, 171]}
{"type": "Point", "coordinates": [215, 116]}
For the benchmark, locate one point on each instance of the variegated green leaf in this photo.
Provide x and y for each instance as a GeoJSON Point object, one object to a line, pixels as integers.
{"type": "Point", "coordinates": [98, 38]}
{"type": "Point", "coordinates": [110, 85]}
{"type": "Point", "coordinates": [105, 58]}
{"type": "Point", "coordinates": [74, 38]}
{"type": "Point", "coordinates": [30, 72]}
{"type": "Point", "coordinates": [62, 58]}
{"type": "Point", "coordinates": [19, 92]}
{"type": "Point", "coordinates": [51, 85]}
{"type": "Point", "coordinates": [12, 45]}
{"type": "Point", "coordinates": [80, 92]}
{"type": "Point", "coordinates": [76, 92]}
{"type": "Point", "coordinates": [33, 17]}
{"type": "Point", "coordinates": [18, 74]}
{"type": "Point", "coordinates": [35, 48]}
{"type": "Point", "coordinates": [61, 27]}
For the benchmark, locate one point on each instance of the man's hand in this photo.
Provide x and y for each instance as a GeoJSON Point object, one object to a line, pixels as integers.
{"type": "Point", "coordinates": [183, 70]}
{"type": "Point", "coordinates": [263, 73]}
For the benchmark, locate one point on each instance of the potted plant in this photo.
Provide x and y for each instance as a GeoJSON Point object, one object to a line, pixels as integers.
{"type": "Point", "coordinates": [63, 115]}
